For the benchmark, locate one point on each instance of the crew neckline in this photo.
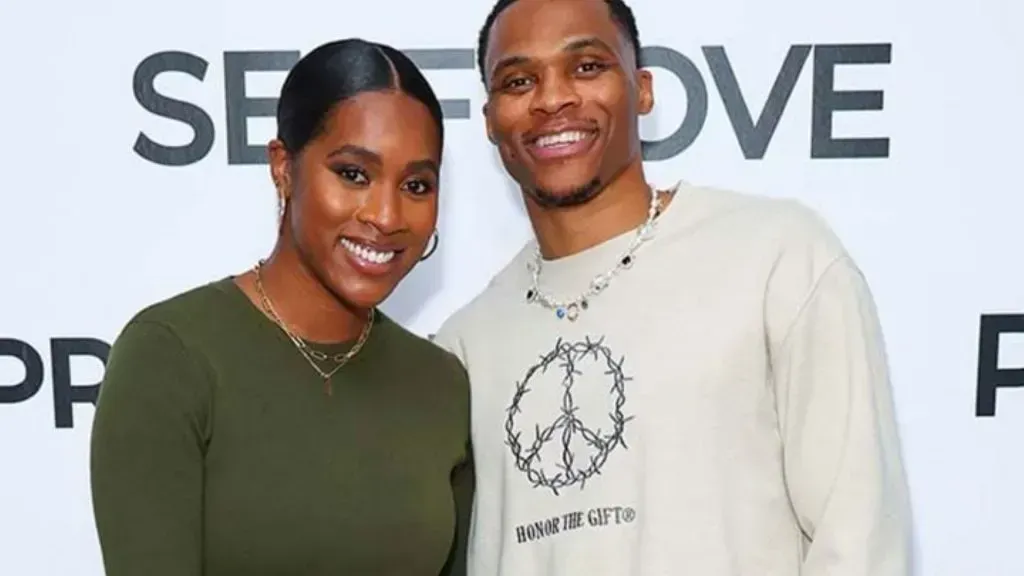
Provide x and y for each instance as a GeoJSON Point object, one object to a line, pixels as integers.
{"type": "Point", "coordinates": [231, 288]}
{"type": "Point", "coordinates": [607, 253]}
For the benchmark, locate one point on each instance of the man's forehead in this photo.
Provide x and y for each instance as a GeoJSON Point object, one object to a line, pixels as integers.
{"type": "Point", "coordinates": [534, 28]}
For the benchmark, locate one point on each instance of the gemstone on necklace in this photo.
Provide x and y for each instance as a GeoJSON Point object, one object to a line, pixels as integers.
{"type": "Point", "coordinates": [599, 283]}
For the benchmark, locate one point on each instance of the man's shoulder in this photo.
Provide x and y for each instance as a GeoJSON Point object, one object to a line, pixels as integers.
{"type": "Point", "coordinates": [781, 221]}
{"type": "Point", "coordinates": [787, 239]}
{"type": "Point", "coordinates": [483, 309]}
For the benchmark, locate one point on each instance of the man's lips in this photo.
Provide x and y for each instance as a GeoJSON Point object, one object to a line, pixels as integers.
{"type": "Point", "coordinates": [561, 144]}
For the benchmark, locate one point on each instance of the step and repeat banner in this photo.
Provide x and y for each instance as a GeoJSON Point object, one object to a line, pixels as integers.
{"type": "Point", "coordinates": [134, 169]}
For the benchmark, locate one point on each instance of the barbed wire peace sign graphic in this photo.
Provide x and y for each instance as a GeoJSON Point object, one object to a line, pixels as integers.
{"type": "Point", "coordinates": [572, 468]}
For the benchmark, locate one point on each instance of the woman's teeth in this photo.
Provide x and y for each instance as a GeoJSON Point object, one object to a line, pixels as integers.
{"type": "Point", "coordinates": [367, 253]}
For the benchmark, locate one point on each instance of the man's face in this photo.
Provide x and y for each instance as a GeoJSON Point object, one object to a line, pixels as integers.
{"type": "Point", "coordinates": [565, 98]}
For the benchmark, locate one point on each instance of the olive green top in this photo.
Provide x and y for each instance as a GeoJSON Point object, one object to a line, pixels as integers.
{"type": "Point", "coordinates": [216, 450]}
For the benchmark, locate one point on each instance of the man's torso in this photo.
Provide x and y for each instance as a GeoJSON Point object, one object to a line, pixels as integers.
{"type": "Point", "coordinates": [641, 438]}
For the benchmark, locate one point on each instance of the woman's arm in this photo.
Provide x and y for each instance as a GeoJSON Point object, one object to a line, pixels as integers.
{"type": "Point", "coordinates": [463, 484]}
{"type": "Point", "coordinates": [148, 441]}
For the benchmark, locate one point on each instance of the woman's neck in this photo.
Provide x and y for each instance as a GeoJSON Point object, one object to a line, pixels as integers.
{"type": "Point", "coordinates": [300, 300]}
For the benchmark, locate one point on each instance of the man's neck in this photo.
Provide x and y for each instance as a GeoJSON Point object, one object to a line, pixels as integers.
{"type": "Point", "coordinates": [621, 206]}
{"type": "Point", "coordinates": [307, 308]}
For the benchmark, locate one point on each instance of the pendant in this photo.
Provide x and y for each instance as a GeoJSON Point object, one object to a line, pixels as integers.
{"type": "Point", "coordinates": [328, 389]}
{"type": "Point", "coordinates": [572, 312]}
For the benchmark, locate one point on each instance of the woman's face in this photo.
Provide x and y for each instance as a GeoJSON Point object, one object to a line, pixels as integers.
{"type": "Point", "coordinates": [361, 198]}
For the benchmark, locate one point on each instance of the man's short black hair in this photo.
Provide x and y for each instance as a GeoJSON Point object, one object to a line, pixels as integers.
{"type": "Point", "coordinates": [621, 14]}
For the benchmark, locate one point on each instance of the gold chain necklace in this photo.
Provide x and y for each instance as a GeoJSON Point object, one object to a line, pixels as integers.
{"type": "Point", "coordinates": [312, 356]}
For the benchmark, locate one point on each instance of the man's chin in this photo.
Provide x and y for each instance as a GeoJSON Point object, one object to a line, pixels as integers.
{"type": "Point", "coordinates": [564, 194]}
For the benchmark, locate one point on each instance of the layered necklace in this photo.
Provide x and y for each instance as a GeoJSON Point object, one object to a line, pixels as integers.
{"type": "Point", "coordinates": [314, 357]}
{"type": "Point", "coordinates": [571, 307]}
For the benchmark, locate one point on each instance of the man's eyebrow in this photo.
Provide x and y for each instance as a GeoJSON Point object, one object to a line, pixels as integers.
{"type": "Point", "coordinates": [574, 45]}
{"type": "Point", "coordinates": [589, 42]}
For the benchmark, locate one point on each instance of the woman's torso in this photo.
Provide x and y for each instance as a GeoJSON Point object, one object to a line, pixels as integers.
{"type": "Point", "coordinates": [299, 481]}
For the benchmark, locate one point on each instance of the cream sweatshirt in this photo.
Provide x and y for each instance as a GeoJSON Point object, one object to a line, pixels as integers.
{"type": "Point", "coordinates": [723, 408]}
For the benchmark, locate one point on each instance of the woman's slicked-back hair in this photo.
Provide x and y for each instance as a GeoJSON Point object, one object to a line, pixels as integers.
{"type": "Point", "coordinates": [337, 71]}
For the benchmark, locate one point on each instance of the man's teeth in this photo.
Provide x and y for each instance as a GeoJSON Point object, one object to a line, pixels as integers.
{"type": "Point", "coordinates": [561, 139]}
{"type": "Point", "coordinates": [367, 253]}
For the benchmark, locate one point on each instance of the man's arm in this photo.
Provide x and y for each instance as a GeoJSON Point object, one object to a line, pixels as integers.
{"type": "Point", "coordinates": [841, 445]}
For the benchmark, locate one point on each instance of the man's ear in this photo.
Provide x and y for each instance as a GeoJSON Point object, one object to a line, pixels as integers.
{"type": "Point", "coordinates": [485, 109]}
{"type": "Point", "coordinates": [645, 91]}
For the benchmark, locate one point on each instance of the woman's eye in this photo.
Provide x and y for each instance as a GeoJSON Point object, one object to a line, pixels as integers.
{"type": "Point", "coordinates": [352, 175]}
{"type": "Point", "coordinates": [418, 187]}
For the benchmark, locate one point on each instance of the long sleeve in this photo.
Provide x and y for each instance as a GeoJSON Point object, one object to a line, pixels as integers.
{"type": "Point", "coordinates": [464, 478]}
{"type": "Point", "coordinates": [463, 484]}
{"type": "Point", "coordinates": [147, 450]}
{"type": "Point", "coordinates": [841, 445]}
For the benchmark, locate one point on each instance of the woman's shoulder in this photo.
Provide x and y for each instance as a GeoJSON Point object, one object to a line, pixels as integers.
{"type": "Point", "coordinates": [198, 309]}
{"type": "Point", "coordinates": [181, 319]}
{"type": "Point", "coordinates": [434, 378]}
{"type": "Point", "coordinates": [421, 351]}
{"type": "Point", "coordinates": [186, 306]}
{"type": "Point", "coordinates": [157, 366]}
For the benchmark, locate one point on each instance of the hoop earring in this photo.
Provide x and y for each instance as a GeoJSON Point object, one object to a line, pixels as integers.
{"type": "Point", "coordinates": [433, 247]}
{"type": "Point", "coordinates": [282, 204]}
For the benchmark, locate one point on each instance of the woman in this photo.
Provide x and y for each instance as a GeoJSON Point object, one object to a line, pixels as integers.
{"type": "Point", "coordinates": [274, 422]}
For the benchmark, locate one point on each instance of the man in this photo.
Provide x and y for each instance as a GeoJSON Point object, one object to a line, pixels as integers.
{"type": "Point", "coordinates": [679, 382]}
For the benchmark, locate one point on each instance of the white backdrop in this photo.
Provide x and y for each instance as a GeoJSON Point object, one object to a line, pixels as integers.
{"type": "Point", "coordinates": [90, 231]}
